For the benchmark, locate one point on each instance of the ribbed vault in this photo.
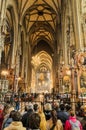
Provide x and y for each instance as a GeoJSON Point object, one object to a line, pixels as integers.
{"type": "Point", "coordinates": [45, 59]}
{"type": "Point", "coordinates": [39, 18]}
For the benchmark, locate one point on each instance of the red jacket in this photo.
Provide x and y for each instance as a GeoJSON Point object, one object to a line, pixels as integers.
{"type": "Point", "coordinates": [1, 118]}
{"type": "Point", "coordinates": [67, 124]}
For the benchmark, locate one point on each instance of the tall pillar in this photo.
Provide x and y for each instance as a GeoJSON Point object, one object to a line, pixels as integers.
{"type": "Point", "coordinates": [54, 61]}
{"type": "Point", "coordinates": [76, 20]}
{"type": "Point", "coordinates": [83, 22]}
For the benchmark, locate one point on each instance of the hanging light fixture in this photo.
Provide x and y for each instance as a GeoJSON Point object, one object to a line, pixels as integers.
{"type": "Point", "coordinates": [35, 61]}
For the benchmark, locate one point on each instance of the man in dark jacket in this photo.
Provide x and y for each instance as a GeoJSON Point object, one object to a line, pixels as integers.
{"type": "Point", "coordinates": [34, 122]}
{"type": "Point", "coordinates": [26, 116]}
{"type": "Point", "coordinates": [62, 115]}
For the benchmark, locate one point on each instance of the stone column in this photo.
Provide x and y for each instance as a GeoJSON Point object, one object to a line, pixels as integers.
{"type": "Point", "coordinates": [84, 36]}
{"type": "Point", "coordinates": [17, 59]}
{"type": "Point", "coordinates": [83, 21]}
{"type": "Point", "coordinates": [76, 22]}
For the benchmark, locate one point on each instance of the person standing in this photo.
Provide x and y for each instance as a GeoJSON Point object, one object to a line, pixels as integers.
{"type": "Point", "coordinates": [17, 104]}
{"type": "Point", "coordinates": [54, 123]}
{"type": "Point", "coordinates": [34, 122]}
{"type": "Point", "coordinates": [62, 115]}
{"type": "Point", "coordinates": [8, 120]}
{"type": "Point", "coordinates": [83, 121]}
{"type": "Point", "coordinates": [39, 111]}
{"type": "Point", "coordinates": [47, 110]}
{"type": "Point", "coordinates": [26, 117]}
{"type": "Point", "coordinates": [6, 111]}
{"type": "Point", "coordinates": [16, 124]}
{"type": "Point", "coordinates": [72, 122]}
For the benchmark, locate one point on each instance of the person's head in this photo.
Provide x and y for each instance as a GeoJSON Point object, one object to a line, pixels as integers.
{"type": "Point", "coordinates": [26, 108]}
{"type": "Point", "coordinates": [12, 113]}
{"type": "Point", "coordinates": [72, 113]}
{"type": "Point", "coordinates": [84, 108]}
{"type": "Point", "coordinates": [30, 106]}
{"type": "Point", "coordinates": [7, 109]}
{"type": "Point", "coordinates": [56, 105]}
{"type": "Point", "coordinates": [48, 107]}
{"type": "Point", "coordinates": [62, 107]}
{"type": "Point", "coordinates": [68, 107]}
{"type": "Point", "coordinates": [34, 121]}
{"type": "Point", "coordinates": [1, 107]}
{"type": "Point", "coordinates": [85, 114]}
{"type": "Point", "coordinates": [35, 107]}
{"type": "Point", "coordinates": [16, 116]}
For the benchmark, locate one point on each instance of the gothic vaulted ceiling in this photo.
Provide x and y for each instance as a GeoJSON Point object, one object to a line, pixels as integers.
{"type": "Point", "coordinates": [40, 19]}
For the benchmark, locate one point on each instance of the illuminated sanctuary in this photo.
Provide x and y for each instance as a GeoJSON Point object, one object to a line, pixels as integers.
{"type": "Point", "coordinates": [43, 46]}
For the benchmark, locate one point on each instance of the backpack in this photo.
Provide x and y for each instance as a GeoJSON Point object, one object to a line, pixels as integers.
{"type": "Point", "coordinates": [74, 125]}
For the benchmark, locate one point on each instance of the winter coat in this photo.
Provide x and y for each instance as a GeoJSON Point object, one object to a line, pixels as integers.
{"type": "Point", "coordinates": [25, 118]}
{"type": "Point", "coordinates": [58, 126]}
{"type": "Point", "coordinates": [17, 125]}
{"type": "Point", "coordinates": [68, 125]}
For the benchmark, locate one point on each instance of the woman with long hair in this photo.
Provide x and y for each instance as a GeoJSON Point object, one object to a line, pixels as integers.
{"type": "Point", "coordinates": [53, 123]}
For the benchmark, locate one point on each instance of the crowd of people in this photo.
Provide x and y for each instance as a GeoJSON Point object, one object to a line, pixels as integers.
{"type": "Point", "coordinates": [37, 116]}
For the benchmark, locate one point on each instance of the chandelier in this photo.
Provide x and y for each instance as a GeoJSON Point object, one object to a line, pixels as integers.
{"type": "Point", "coordinates": [35, 61]}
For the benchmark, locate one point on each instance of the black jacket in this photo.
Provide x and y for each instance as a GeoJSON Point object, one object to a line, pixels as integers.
{"type": "Point", "coordinates": [26, 117]}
